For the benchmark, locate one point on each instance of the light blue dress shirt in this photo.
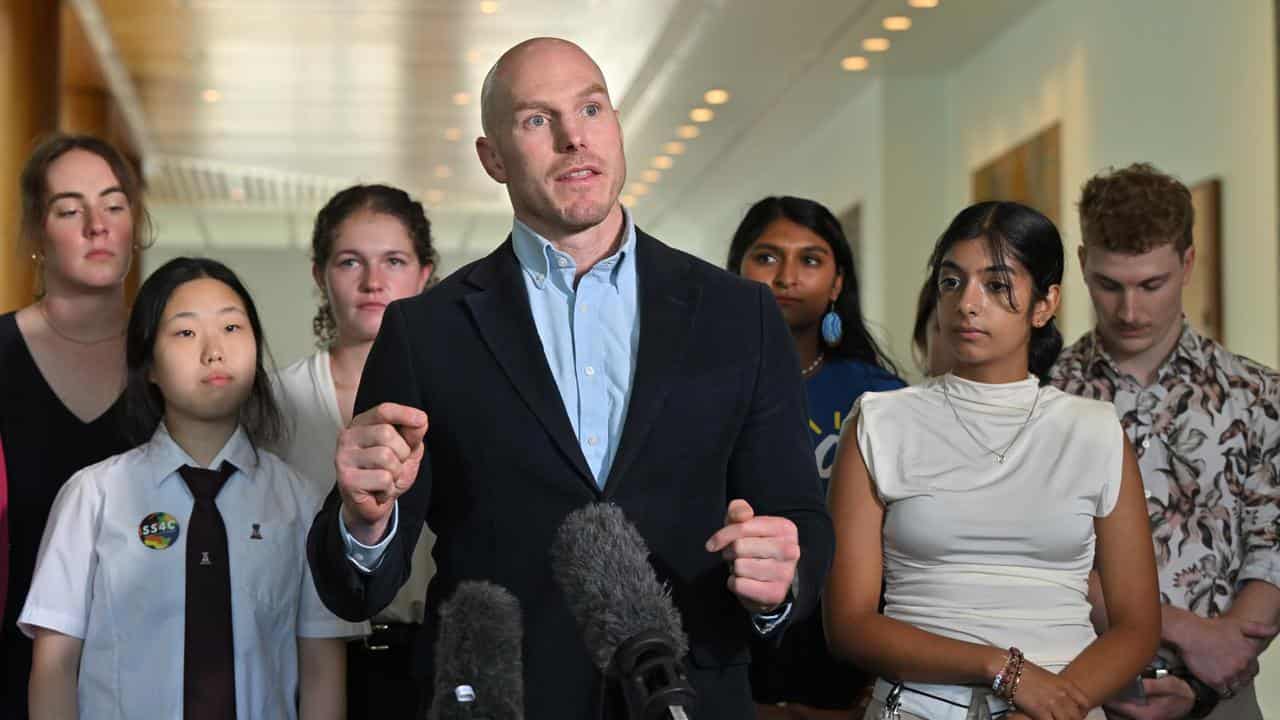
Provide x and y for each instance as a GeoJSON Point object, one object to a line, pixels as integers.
{"type": "Point", "coordinates": [590, 335]}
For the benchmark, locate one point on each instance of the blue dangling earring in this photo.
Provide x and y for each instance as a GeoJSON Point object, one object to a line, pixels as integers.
{"type": "Point", "coordinates": [832, 327]}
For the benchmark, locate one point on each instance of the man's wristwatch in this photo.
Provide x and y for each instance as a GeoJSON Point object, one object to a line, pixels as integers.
{"type": "Point", "coordinates": [1206, 697]}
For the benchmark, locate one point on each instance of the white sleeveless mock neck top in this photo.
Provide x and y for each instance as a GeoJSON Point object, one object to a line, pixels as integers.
{"type": "Point", "coordinates": [983, 551]}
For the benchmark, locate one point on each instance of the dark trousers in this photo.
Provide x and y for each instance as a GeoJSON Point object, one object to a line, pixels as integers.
{"type": "Point", "coordinates": [379, 684]}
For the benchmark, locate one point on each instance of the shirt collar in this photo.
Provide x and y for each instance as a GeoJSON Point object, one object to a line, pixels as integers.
{"type": "Point", "coordinates": [538, 257]}
{"type": "Point", "coordinates": [164, 456]}
{"type": "Point", "coordinates": [1190, 347]}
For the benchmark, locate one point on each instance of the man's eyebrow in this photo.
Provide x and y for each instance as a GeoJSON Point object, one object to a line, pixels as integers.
{"type": "Point", "coordinates": [530, 105]}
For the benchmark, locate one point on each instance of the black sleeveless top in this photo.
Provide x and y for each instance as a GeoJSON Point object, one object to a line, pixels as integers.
{"type": "Point", "coordinates": [44, 445]}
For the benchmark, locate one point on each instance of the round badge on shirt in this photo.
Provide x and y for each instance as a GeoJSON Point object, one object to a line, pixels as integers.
{"type": "Point", "coordinates": [158, 531]}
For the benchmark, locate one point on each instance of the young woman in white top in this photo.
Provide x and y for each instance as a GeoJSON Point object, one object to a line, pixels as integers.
{"type": "Point", "coordinates": [983, 500]}
{"type": "Point", "coordinates": [371, 246]}
{"type": "Point", "coordinates": [123, 599]}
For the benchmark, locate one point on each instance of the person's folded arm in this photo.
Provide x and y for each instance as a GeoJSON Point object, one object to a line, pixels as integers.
{"type": "Point", "coordinates": [1257, 604]}
{"type": "Point", "coordinates": [1257, 599]}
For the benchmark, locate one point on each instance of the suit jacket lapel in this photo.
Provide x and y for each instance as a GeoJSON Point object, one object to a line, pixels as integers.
{"type": "Point", "coordinates": [668, 303]}
{"type": "Point", "coordinates": [501, 312]}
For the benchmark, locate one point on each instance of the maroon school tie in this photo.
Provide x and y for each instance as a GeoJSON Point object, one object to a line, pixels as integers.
{"type": "Point", "coordinates": [208, 658]}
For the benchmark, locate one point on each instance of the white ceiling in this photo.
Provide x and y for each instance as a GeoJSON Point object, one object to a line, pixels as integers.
{"type": "Point", "coordinates": [315, 94]}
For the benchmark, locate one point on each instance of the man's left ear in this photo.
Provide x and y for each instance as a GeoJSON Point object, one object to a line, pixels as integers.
{"type": "Point", "coordinates": [490, 159]}
{"type": "Point", "coordinates": [1046, 307]}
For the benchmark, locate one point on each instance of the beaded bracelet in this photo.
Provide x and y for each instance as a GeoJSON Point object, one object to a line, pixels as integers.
{"type": "Point", "coordinates": [1005, 683]}
{"type": "Point", "coordinates": [1017, 680]}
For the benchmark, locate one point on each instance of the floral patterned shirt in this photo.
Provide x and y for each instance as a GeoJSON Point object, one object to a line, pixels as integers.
{"type": "Point", "coordinates": [1207, 437]}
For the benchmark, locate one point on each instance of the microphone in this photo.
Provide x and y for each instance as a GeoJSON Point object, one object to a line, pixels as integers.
{"type": "Point", "coordinates": [627, 619]}
{"type": "Point", "coordinates": [479, 673]}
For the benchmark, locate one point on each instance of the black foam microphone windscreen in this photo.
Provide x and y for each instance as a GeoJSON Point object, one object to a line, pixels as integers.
{"type": "Point", "coordinates": [628, 622]}
{"type": "Point", "coordinates": [479, 673]}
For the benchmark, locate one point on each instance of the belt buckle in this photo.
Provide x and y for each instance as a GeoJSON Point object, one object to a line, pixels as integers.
{"type": "Point", "coordinates": [376, 628]}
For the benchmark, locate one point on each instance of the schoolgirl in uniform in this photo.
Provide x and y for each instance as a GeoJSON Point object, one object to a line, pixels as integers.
{"type": "Point", "coordinates": [172, 579]}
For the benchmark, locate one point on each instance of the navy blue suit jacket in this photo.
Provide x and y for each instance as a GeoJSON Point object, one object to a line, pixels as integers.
{"type": "Point", "coordinates": [717, 412]}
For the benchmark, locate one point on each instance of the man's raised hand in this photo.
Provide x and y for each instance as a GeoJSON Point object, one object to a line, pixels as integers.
{"type": "Point", "coordinates": [377, 461]}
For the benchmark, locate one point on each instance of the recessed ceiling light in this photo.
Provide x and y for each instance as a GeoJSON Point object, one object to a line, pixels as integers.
{"type": "Point", "coordinates": [461, 98]}
{"type": "Point", "coordinates": [453, 134]}
{"type": "Point", "coordinates": [701, 115]}
{"type": "Point", "coordinates": [628, 200]}
{"type": "Point", "coordinates": [923, 3]}
{"type": "Point", "coordinates": [211, 95]}
{"type": "Point", "coordinates": [435, 197]}
{"type": "Point", "coordinates": [716, 97]}
{"type": "Point", "coordinates": [875, 44]}
{"type": "Point", "coordinates": [663, 162]}
{"type": "Point", "coordinates": [443, 171]}
{"type": "Point", "coordinates": [489, 7]}
{"type": "Point", "coordinates": [651, 176]}
{"type": "Point", "coordinates": [673, 148]}
{"type": "Point", "coordinates": [688, 132]}
{"type": "Point", "coordinates": [897, 23]}
{"type": "Point", "coordinates": [639, 189]}
{"type": "Point", "coordinates": [855, 63]}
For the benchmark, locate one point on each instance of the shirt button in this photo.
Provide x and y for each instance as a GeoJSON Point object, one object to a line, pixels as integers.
{"type": "Point", "coordinates": [562, 262]}
{"type": "Point", "coordinates": [590, 371]}
{"type": "Point", "coordinates": [1146, 443]}
{"type": "Point", "coordinates": [593, 440]}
